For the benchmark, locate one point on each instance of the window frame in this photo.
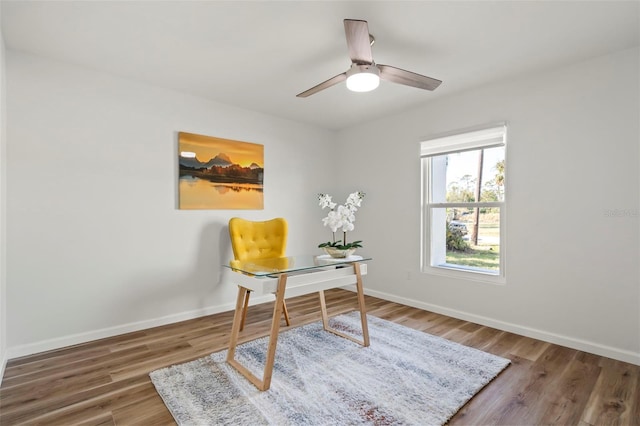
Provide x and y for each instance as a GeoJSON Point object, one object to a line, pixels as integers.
{"type": "Point", "coordinates": [464, 140]}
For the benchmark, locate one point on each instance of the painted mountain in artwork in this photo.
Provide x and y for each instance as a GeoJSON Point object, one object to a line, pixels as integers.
{"type": "Point", "coordinates": [220, 169]}
{"type": "Point", "coordinates": [191, 162]}
{"type": "Point", "coordinates": [220, 160]}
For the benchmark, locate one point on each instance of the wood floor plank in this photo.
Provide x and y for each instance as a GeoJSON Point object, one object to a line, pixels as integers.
{"type": "Point", "coordinates": [486, 406]}
{"type": "Point", "coordinates": [29, 410]}
{"type": "Point", "coordinates": [101, 420]}
{"type": "Point", "coordinates": [568, 398]}
{"type": "Point", "coordinates": [106, 382]}
{"type": "Point", "coordinates": [614, 395]}
{"type": "Point", "coordinates": [635, 412]}
{"type": "Point", "coordinates": [90, 364]}
{"type": "Point", "coordinates": [33, 393]}
{"type": "Point", "coordinates": [440, 325]}
{"type": "Point", "coordinates": [144, 411]}
{"type": "Point", "coordinates": [504, 346]}
{"type": "Point", "coordinates": [96, 408]}
{"type": "Point", "coordinates": [72, 352]}
{"type": "Point", "coordinates": [44, 366]}
{"type": "Point", "coordinates": [483, 338]}
{"type": "Point", "coordinates": [457, 335]}
{"type": "Point", "coordinates": [533, 397]}
{"type": "Point", "coordinates": [530, 349]}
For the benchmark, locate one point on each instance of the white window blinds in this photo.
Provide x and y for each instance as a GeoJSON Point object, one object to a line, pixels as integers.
{"type": "Point", "coordinates": [485, 138]}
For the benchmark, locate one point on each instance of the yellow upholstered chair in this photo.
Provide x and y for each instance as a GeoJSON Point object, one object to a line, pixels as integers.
{"type": "Point", "coordinates": [257, 240]}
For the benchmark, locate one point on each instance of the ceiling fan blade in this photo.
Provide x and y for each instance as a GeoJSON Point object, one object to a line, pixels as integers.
{"type": "Point", "coordinates": [358, 41]}
{"type": "Point", "coordinates": [408, 78]}
{"type": "Point", "coordinates": [324, 85]}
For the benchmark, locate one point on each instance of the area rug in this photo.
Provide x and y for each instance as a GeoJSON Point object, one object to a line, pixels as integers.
{"type": "Point", "coordinates": [404, 377]}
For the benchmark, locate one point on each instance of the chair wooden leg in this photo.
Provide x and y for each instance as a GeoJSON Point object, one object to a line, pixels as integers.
{"type": "Point", "coordinates": [285, 312]}
{"type": "Point", "coordinates": [244, 309]}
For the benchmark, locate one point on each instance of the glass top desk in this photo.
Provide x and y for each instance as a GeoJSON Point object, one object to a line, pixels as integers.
{"type": "Point", "coordinates": [287, 276]}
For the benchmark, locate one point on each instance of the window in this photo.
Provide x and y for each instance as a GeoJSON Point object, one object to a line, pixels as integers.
{"type": "Point", "coordinates": [463, 201]}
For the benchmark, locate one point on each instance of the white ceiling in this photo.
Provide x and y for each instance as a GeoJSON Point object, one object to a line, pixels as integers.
{"type": "Point", "coordinates": [258, 55]}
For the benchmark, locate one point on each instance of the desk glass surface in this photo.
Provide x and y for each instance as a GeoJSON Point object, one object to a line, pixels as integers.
{"type": "Point", "coordinates": [280, 265]}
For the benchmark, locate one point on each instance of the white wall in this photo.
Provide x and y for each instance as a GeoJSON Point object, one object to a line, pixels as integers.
{"type": "Point", "coordinates": [96, 245]}
{"type": "Point", "coordinates": [573, 157]}
{"type": "Point", "coordinates": [3, 210]}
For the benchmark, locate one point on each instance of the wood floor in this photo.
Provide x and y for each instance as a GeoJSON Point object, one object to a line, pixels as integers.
{"type": "Point", "coordinates": [106, 382]}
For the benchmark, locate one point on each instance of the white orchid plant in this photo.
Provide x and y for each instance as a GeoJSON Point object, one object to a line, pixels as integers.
{"type": "Point", "coordinates": [341, 217]}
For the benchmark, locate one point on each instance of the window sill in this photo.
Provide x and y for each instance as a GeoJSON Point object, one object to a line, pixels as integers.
{"type": "Point", "coordinates": [466, 273]}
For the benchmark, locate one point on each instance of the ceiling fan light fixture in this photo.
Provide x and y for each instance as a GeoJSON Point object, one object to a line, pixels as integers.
{"type": "Point", "coordinates": [363, 78]}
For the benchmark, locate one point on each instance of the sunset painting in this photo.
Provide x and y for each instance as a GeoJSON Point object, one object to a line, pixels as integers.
{"type": "Point", "coordinates": [219, 173]}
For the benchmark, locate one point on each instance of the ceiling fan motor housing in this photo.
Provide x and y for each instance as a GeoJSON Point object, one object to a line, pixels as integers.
{"type": "Point", "coordinates": [363, 68]}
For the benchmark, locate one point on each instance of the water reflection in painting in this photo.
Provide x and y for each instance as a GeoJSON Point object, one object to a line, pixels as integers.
{"type": "Point", "coordinates": [196, 193]}
{"type": "Point", "coordinates": [220, 173]}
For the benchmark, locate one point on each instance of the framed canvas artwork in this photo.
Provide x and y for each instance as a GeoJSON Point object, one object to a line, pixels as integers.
{"type": "Point", "coordinates": [217, 173]}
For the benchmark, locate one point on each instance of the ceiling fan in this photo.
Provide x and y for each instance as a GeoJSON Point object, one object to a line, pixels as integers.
{"type": "Point", "coordinates": [364, 74]}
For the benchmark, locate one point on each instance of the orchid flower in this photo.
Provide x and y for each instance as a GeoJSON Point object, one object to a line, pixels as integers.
{"type": "Point", "coordinates": [341, 217]}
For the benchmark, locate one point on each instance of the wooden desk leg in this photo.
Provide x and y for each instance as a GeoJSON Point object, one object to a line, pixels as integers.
{"type": "Point", "coordinates": [323, 309]}
{"type": "Point", "coordinates": [245, 308]}
{"type": "Point", "coordinates": [237, 322]}
{"type": "Point", "coordinates": [362, 308]}
{"type": "Point", "coordinates": [265, 383]}
{"type": "Point", "coordinates": [275, 328]}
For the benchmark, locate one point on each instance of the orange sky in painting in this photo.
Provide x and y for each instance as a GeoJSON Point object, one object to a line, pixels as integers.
{"type": "Point", "coordinates": [207, 147]}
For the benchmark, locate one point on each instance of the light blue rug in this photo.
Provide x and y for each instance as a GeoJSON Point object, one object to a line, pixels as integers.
{"type": "Point", "coordinates": [405, 377]}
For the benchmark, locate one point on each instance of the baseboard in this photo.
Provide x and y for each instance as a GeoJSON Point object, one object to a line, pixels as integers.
{"type": "Point", "coordinates": [570, 342]}
{"type": "Point", "coordinates": [75, 339]}
{"type": "Point", "coordinates": [3, 364]}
